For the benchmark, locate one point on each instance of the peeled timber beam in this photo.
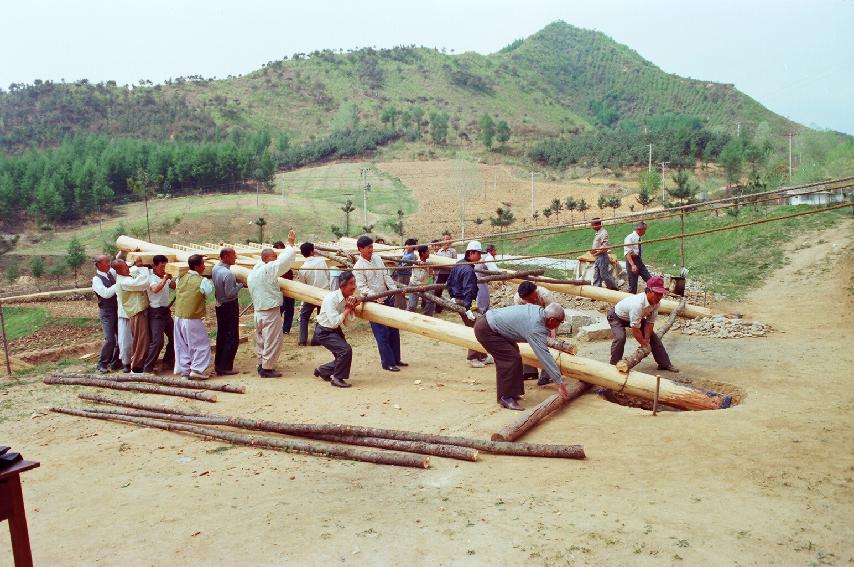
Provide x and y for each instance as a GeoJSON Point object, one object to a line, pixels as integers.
{"type": "Point", "coordinates": [595, 372]}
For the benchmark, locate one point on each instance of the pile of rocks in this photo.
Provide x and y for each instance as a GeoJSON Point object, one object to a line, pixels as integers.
{"type": "Point", "coordinates": [722, 328]}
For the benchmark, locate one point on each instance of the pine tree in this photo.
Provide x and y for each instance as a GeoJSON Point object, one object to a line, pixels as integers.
{"type": "Point", "coordinates": [75, 256]}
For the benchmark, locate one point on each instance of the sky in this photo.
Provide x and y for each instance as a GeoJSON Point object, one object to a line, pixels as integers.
{"type": "Point", "coordinates": [795, 57]}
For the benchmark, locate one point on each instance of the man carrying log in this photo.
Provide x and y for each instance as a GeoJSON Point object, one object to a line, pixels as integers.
{"type": "Point", "coordinates": [104, 286]}
{"type": "Point", "coordinates": [599, 249]}
{"type": "Point", "coordinates": [371, 278]}
{"type": "Point", "coordinates": [132, 292]}
{"type": "Point", "coordinates": [313, 272]}
{"type": "Point", "coordinates": [159, 317]}
{"type": "Point", "coordinates": [192, 345]}
{"type": "Point", "coordinates": [632, 252]}
{"type": "Point", "coordinates": [638, 312]}
{"type": "Point", "coordinates": [288, 303]}
{"type": "Point", "coordinates": [267, 299]}
{"type": "Point", "coordinates": [338, 309]}
{"type": "Point", "coordinates": [403, 274]}
{"type": "Point", "coordinates": [500, 331]}
{"type": "Point", "coordinates": [530, 294]}
{"type": "Point", "coordinates": [226, 289]}
{"type": "Point", "coordinates": [462, 287]}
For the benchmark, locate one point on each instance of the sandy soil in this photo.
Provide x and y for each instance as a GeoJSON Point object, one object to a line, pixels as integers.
{"type": "Point", "coordinates": [768, 482]}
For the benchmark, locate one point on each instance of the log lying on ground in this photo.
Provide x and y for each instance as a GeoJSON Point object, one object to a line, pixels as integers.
{"type": "Point", "coordinates": [154, 379]}
{"type": "Point", "coordinates": [588, 291]}
{"type": "Point", "coordinates": [602, 374]}
{"type": "Point", "coordinates": [141, 388]}
{"type": "Point", "coordinates": [634, 359]}
{"type": "Point", "coordinates": [313, 430]}
{"type": "Point", "coordinates": [135, 405]}
{"type": "Point", "coordinates": [287, 445]}
{"type": "Point", "coordinates": [525, 422]}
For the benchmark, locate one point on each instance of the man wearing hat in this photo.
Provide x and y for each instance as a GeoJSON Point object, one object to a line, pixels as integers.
{"type": "Point", "coordinates": [599, 249]}
{"type": "Point", "coordinates": [632, 250]}
{"type": "Point", "coordinates": [462, 287]}
{"type": "Point", "coordinates": [638, 312]}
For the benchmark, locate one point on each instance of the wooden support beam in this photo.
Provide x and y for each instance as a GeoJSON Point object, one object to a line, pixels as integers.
{"type": "Point", "coordinates": [592, 371]}
{"type": "Point", "coordinates": [530, 418]}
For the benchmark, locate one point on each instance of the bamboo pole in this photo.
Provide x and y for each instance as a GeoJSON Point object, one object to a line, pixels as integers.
{"type": "Point", "coordinates": [287, 445]}
{"type": "Point", "coordinates": [142, 388]}
{"type": "Point", "coordinates": [301, 429]}
{"type": "Point", "coordinates": [160, 380]}
{"type": "Point", "coordinates": [638, 384]}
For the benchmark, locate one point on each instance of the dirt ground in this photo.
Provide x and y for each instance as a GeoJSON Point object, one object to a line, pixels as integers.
{"type": "Point", "coordinates": [768, 482]}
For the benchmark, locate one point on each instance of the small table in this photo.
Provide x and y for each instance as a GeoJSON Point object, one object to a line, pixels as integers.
{"type": "Point", "coordinates": [12, 509]}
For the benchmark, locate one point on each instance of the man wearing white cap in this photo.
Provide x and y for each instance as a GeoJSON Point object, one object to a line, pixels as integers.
{"type": "Point", "coordinates": [638, 312]}
{"type": "Point", "coordinates": [462, 287]}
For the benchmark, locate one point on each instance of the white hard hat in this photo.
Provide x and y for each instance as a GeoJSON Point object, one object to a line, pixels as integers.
{"type": "Point", "coordinates": [474, 245]}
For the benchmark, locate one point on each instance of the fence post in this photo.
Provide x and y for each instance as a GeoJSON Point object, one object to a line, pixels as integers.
{"type": "Point", "coordinates": [5, 342]}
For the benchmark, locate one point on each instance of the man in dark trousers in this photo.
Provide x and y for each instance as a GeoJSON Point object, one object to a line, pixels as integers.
{"type": "Point", "coordinates": [226, 288]}
{"type": "Point", "coordinates": [104, 286]}
{"type": "Point", "coordinates": [462, 287]}
{"type": "Point", "coordinates": [337, 310]}
{"type": "Point", "coordinates": [500, 331]}
{"type": "Point", "coordinates": [159, 316]}
{"type": "Point", "coordinates": [638, 313]}
{"type": "Point", "coordinates": [632, 250]}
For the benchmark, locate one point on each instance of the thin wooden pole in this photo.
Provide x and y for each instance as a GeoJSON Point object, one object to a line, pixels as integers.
{"type": "Point", "coordinates": [655, 399]}
{"type": "Point", "coordinates": [5, 342]}
{"type": "Point", "coordinates": [682, 239]}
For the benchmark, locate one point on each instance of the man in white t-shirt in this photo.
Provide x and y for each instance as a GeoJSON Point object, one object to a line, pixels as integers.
{"type": "Point", "coordinates": [632, 251]}
{"type": "Point", "coordinates": [638, 313]}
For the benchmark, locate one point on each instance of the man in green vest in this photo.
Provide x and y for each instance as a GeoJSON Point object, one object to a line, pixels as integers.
{"type": "Point", "coordinates": [132, 293]}
{"type": "Point", "coordinates": [192, 345]}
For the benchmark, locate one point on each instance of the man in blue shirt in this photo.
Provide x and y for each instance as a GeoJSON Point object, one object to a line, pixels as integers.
{"type": "Point", "coordinates": [462, 287]}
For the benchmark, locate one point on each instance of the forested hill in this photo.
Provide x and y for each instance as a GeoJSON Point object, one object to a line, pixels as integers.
{"type": "Point", "coordinates": [560, 80]}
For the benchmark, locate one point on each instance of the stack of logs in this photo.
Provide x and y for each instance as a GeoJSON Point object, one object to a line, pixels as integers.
{"type": "Point", "coordinates": [402, 448]}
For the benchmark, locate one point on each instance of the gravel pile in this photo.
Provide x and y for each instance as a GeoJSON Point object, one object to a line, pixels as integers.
{"type": "Point", "coordinates": [722, 328]}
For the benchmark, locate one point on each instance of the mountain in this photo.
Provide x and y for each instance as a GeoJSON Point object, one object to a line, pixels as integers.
{"type": "Point", "coordinates": [561, 80]}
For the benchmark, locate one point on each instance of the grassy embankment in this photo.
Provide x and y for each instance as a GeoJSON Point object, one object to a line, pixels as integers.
{"type": "Point", "coordinates": [729, 262]}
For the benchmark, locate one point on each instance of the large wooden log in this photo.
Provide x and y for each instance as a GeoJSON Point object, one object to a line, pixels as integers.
{"type": "Point", "coordinates": [525, 422]}
{"type": "Point", "coordinates": [588, 291]}
{"type": "Point", "coordinates": [155, 379]}
{"type": "Point", "coordinates": [411, 289]}
{"type": "Point", "coordinates": [141, 388]}
{"type": "Point", "coordinates": [595, 372]}
{"type": "Point", "coordinates": [287, 445]}
{"type": "Point", "coordinates": [310, 430]}
{"type": "Point", "coordinates": [634, 359]}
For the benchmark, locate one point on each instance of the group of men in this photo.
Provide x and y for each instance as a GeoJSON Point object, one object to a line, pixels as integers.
{"type": "Point", "coordinates": [134, 303]}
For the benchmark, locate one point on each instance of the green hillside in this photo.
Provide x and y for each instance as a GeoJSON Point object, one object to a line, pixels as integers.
{"type": "Point", "coordinates": [560, 80]}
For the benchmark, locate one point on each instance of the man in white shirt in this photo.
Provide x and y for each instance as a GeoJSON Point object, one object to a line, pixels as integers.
{"type": "Point", "coordinates": [638, 312]}
{"type": "Point", "coordinates": [371, 277]}
{"type": "Point", "coordinates": [104, 286]}
{"type": "Point", "coordinates": [159, 317]}
{"type": "Point", "coordinates": [132, 293]}
{"type": "Point", "coordinates": [314, 271]}
{"type": "Point", "coordinates": [420, 276]}
{"type": "Point", "coordinates": [267, 299]}
{"type": "Point", "coordinates": [337, 310]}
{"type": "Point", "coordinates": [632, 251]}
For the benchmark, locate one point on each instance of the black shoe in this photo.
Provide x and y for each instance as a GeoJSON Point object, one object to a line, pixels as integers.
{"type": "Point", "coordinates": [126, 368]}
{"type": "Point", "coordinates": [391, 368]}
{"type": "Point", "coordinates": [339, 383]}
{"type": "Point", "coordinates": [317, 374]}
{"type": "Point", "coordinates": [301, 344]}
{"type": "Point", "coordinates": [116, 367]}
{"type": "Point", "coordinates": [103, 369]}
{"type": "Point", "coordinates": [265, 373]}
{"type": "Point", "coordinates": [137, 370]}
{"type": "Point", "coordinates": [544, 381]}
{"type": "Point", "coordinates": [399, 363]}
{"type": "Point", "coordinates": [231, 372]}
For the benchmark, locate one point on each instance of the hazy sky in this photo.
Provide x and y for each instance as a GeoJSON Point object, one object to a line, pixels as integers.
{"type": "Point", "coordinates": [795, 57]}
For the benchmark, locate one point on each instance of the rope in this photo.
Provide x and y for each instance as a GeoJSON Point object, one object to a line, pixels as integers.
{"type": "Point", "coordinates": [645, 242]}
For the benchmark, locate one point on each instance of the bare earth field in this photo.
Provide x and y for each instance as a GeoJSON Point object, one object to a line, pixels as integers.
{"type": "Point", "coordinates": [768, 482]}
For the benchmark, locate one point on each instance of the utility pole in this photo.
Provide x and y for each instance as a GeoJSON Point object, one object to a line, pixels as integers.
{"type": "Point", "coordinates": [532, 193]}
{"type": "Point", "coordinates": [790, 134]}
{"type": "Point", "coordinates": [463, 212]}
{"type": "Point", "coordinates": [365, 188]}
{"type": "Point", "coordinates": [649, 167]}
{"type": "Point", "coordinates": [663, 164]}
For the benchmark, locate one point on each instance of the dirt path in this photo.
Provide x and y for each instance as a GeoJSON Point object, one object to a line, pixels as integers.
{"type": "Point", "coordinates": [766, 482]}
